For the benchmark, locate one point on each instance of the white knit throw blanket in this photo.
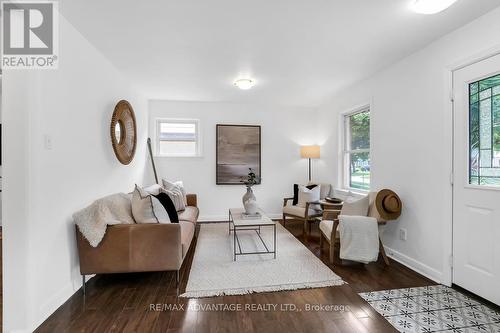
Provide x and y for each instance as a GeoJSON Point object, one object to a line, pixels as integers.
{"type": "Point", "coordinates": [358, 238]}
{"type": "Point", "coordinates": [93, 220]}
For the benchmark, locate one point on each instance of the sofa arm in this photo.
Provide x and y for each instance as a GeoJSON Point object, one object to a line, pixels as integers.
{"type": "Point", "coordinates": [192, 200]}
{"type": "Point", "coordinates": [132, 248]}
{"type": "Point", "coordinates": [155, 247]}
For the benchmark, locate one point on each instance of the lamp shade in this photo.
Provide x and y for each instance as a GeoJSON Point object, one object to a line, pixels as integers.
{"type": "Point", "coordinates": [309, 151]}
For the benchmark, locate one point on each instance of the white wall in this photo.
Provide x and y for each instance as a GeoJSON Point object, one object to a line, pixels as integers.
{"type": "Point", "coordinates": [42, 188]}
{"type": "Point", "coordinates": [410, 135]}
{"type": "Point", "coordinates": [284, 129]}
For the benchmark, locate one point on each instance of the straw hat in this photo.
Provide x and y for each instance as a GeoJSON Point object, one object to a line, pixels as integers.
{"type": "Point", "coordinates": [388, 204]}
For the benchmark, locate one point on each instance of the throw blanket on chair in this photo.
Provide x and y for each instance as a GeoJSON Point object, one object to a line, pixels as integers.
{"type": "Point", "coordinates": [358, 238]}
{"type": "Point", "coordinates": [93, 220]}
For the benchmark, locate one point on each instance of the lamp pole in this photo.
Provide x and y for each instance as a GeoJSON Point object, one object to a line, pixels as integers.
{"type": "Point", "coordinates": [309, 169]}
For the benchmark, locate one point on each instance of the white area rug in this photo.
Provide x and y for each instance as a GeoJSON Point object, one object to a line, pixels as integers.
{"type": "Point", "coordinates": [214, 273]}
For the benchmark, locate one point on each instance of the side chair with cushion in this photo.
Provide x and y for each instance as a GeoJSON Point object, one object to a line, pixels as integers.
{"type": "Point", "coordinates": [330, 221]}
{"type": "Point", "coordinates": [309, 212]}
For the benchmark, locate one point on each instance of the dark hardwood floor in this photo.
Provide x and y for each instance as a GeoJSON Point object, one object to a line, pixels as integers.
{"type": "Point", "coordinates": [121, 302]}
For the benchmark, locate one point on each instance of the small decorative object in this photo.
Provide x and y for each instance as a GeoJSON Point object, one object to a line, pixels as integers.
{"type": "Point", "coordinates": [123, 132]}
{"type": "Point", "coordinates": [238, 148]}
{"type": "Point", "coordinates": [249, 200]}
{"type": "Point", "coordinates": [333, 200]}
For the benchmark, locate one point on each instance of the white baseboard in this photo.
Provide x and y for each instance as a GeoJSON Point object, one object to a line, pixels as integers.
{"type": "Point", "coordinates": [415, 265]}
{"type": "Point", "coordinates": [55, 302]}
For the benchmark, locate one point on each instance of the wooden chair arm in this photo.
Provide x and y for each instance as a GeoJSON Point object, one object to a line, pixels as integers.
{"type": "Point", "coordinates": [333, 236]}
{"type": "Point", "coordinates": [285, 201]}
{"type": "Point", "coordinates": [331, 215]}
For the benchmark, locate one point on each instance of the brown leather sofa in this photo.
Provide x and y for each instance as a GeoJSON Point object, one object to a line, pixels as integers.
{"type": "Point", "coordinates": [128, 248]}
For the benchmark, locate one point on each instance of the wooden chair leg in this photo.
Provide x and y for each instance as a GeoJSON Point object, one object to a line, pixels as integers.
{"type": "Point", "coordinates": [320, 241]}
{"type": "Point", "coordinates": [332, 250]}
{"type": "Point", "coordinates": [382, 251]}
{"type": "Point", "coordinates": [284, 219]}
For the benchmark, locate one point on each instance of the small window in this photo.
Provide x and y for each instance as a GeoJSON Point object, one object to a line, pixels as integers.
{"type": "Point", "coordinates": [356, 154]}
{"type": "Point", "coordinates": [177, 137]}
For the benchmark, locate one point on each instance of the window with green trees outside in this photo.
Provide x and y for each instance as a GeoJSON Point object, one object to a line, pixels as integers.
{"type": "Point", "coordinates": [357, 150]}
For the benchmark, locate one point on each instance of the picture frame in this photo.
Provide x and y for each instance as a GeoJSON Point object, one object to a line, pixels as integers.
{"type": "Point", "coordinates": [238, 149]}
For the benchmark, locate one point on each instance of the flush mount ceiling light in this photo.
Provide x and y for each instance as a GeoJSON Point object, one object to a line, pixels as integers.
{"type": "Point", "coordinates": [244, 84]}
{"type": "Point", "coordinates": [431, 6]}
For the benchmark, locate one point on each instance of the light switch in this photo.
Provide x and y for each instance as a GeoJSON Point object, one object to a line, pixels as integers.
{"type": "Point", "coordinates": [48, 142]}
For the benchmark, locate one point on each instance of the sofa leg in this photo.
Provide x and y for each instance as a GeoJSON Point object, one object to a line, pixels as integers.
{"type": "Point", "coordinates": [83, 285]}
{"type": "Point", "coordinates": [177, 281]}
{"type": "Point", "coordinates": [332, 251]}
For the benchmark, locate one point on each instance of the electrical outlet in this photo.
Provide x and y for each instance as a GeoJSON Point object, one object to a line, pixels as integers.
{"type": "Point", "coordinates": [403, 234]}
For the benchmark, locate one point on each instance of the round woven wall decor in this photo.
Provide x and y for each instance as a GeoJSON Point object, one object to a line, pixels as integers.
{"type": "Point", "coordinates": [123, 132]}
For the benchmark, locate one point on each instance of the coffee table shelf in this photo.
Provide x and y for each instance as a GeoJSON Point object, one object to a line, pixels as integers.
{"type": "Point", "coordinates": [240, 224]}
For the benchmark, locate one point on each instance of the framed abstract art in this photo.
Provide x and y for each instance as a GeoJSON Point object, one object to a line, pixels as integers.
{"type": "Point", "coordinates": [238, 150]}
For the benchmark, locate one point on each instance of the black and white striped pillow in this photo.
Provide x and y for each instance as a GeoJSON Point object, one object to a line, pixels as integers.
{"type": "Point", "coordinates": [177, 198]}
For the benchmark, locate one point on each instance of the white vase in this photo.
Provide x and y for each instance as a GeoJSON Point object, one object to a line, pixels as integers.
{"type": "Point", "coordinates": [251, 207]}
{"type": "Point", "coordinates": [248, 195]}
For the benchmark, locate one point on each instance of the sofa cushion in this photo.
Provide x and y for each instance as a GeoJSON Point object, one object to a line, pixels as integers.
{"type": "Point", "coordinates": [187, 233]}
{"type": "Point", "coordinates": [326, 226]}
{"type": "Point", "coordinates": [189, 214]}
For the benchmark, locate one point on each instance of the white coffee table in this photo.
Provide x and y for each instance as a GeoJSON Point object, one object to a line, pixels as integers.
{"type": "Point", "coordinates": [240, 224]}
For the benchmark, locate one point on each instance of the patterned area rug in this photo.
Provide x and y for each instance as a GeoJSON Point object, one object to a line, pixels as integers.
{"type": "Point", "coordinates": [433, 309]}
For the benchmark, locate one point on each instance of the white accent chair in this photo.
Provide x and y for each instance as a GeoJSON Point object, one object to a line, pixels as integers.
{"type": "Point", "coordinates": [330, 221]}
{"type": "Point", "coordinates": [308, 214]}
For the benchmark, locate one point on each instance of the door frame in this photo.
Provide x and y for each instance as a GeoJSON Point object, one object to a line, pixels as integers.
{"type": "Point", "coordinates": [447, 275]}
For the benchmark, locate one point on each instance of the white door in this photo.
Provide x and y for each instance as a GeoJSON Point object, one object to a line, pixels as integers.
{"type": "Point", "coordinates": [476, 190]}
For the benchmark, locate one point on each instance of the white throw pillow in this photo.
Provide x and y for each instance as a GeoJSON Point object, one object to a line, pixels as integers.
{"type": "Point", "coordinates": [175, 186]}
{"type": "Point", "coordinates": [356, 208]}
{"type": "Point", "coordinates": [308, 195]}
{"type": "Point", "coordinates": [325, 189]}
{"type": "Point", "coordinates": [147, 209]}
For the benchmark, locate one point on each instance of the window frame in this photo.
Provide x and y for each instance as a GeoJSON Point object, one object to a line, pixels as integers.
{"type": "Point", "coordinates": [345, 151]}
{"type": "Point", "coordinates": [196, 122]}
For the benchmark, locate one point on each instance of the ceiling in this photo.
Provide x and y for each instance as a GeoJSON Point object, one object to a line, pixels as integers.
{"type": "Point", "coordinates": [299, 51]}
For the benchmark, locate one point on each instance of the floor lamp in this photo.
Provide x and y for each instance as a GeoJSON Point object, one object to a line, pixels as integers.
{"type": "Point", "coordinates": [309, 152]}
